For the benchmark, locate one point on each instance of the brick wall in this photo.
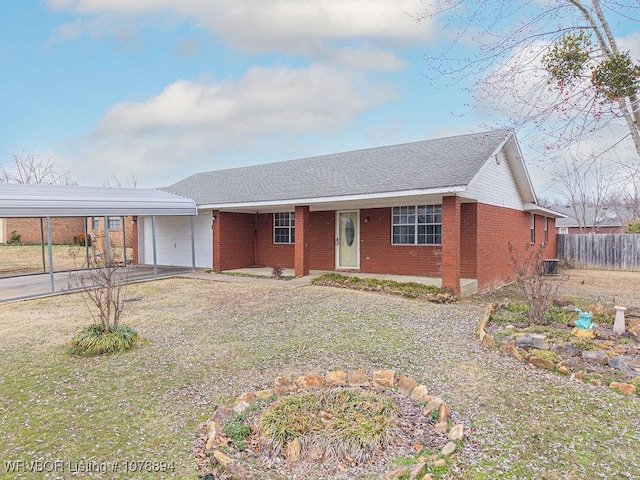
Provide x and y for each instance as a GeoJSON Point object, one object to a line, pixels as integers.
{"type": "Point", "coordinates": [496, 228]}
{"type": "Point", "coordinates": [115, 236]}
{"type": "Point", "coordinates": [468, 240]}
{"type": "Point", "coordinates": [233, 240]}
{"type": "Point", "coordinates": [323, 235]}
{"type": "Point", "coordinates": [268, 253]}
{"type": "Point", "coordinates": [63, 230]}
{"type": "Point", "coordinates": [377, 255]}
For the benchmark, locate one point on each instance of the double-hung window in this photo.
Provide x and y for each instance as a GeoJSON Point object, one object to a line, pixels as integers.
{"type": "Point", "coordinates": [417, 225]}
{"type": "Point", "coordinates": [95, 223]}
{"type": "Point", "coordinates": [114, 223]}
{"type": "Point", "coordinates": [284, 227]}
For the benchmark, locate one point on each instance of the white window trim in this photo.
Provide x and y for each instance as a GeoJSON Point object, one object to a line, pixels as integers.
{"type": "Point", "coordinates": [415, 234]}
{"type": "Point", "coordinates": [532, 229]}
{"type": "Point", "coordinates": [109, 220]}
{"type": "Point", "coordinates": [546, 230]}
{"type": "Point", "coordinates": [563, 230]}
{"type": "Point", "coordinates": [291, 228]}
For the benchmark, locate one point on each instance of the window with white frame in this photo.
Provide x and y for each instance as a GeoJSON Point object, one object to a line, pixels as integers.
{"type": "Point", "coordinates": [284, 227]}
{"type": "Point", "coordinates": [114, 223]}
{"type": "Point", "coordinates": [563, 230]}
{"type": "Point", "coordinates": [546, 229]}
{"type": "Point", "coordinates": [417, 225]}
{"type": "Point", "coordinates": [95, 223]}
{"type": "Point", "coordinates": [532, 235]}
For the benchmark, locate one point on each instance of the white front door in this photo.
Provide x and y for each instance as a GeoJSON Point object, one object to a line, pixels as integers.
{"type": "Point", "coordinates": [348, 239]}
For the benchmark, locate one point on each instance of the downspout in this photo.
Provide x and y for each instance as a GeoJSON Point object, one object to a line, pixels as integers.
{"type": "Point", "coordinates": [255, 239]}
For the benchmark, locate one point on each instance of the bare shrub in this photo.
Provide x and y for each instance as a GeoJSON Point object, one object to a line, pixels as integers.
{"type": "Point", "coordinates": [538, 288]}
{"type": "Point", "coordinates": [103, 287]}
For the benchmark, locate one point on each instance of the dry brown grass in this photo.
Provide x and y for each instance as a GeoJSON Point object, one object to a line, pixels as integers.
{"type": "Point", "coordinates": [21, 259]}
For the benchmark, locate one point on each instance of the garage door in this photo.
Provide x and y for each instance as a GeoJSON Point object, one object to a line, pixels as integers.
{"type": "Point", "coordinates": [173, 240]}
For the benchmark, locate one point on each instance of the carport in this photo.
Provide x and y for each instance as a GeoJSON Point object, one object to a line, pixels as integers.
{"type": "Point", "coordinates": [45, 202]}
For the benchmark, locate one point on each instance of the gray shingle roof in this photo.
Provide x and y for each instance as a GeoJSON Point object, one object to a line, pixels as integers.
{"type": "Point", "coordinates": [438, 163]}
{"type": "Point", "coordinates": [615, 216]}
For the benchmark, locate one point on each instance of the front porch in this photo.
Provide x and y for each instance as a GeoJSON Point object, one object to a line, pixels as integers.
{"type": "Point", "coordinates": [468, 286]}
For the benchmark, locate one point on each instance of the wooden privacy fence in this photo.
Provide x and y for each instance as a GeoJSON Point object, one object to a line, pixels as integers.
{"type": "Point", "coordinates": [599, 251]}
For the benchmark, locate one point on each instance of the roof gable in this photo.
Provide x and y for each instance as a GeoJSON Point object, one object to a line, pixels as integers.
{"type": "Point", "coordinates": [443, 163]}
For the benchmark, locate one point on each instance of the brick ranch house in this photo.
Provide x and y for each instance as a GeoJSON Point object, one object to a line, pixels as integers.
{"type": "Point", "coordinates": [444, 208]}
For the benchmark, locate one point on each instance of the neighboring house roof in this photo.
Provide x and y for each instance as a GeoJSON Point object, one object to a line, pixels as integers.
{"type": "Point", "coordinates": [438, 166]}
{"type": "Point", "coordinates": [19, 200]}
{"type": "Point", "coordinates": [616, 216]}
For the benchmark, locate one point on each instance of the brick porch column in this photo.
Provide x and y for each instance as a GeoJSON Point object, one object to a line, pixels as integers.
{"type": "Point", "coordinates": [217, 241]}
{"type": "Point", "coordinates": [134, 239]}
{"type": "Point", "coordinates": [451, 244]}
{"type": "Point", "coordinates": [302, 250]}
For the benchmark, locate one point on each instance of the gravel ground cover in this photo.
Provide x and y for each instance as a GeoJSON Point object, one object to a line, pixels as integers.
{"type": "Point", "coordinates": [207, 342]}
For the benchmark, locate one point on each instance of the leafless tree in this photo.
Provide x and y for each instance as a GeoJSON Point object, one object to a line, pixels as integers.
{"type": "Point", "coordinates": [557, 65]}
{"type": "Point", "coordinates": [587, 186]}
{"type": "Point", "coordinates": [29, 168]}
{"type": "Point", "coordinates": [103, 286]}
{"type": "Point", "coordinates": [113, 181]}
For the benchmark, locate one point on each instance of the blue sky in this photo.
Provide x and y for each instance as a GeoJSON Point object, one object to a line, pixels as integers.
{"type": "Point", "coordinates": [169, 88]}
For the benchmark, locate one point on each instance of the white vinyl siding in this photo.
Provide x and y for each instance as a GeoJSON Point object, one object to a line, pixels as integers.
{"type": "Point", "coordinates": [495, 184]}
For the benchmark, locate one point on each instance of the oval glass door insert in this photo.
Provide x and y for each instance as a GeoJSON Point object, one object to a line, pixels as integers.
{"type": "Point", "coordinates": [349, 231]}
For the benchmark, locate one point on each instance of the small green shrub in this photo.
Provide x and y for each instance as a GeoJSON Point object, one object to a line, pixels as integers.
{"type": "Point", "coordinates": [559, 315]}
{"type": "Point", "coordinates": [545, 355]}
{"type": "Point", "coordinates": [237, 430]}
{"type": "Point", "coordinates": [94, 340]}
{"type": "Point", "coordinates": [517, 308]}
{"type": "Point", "coordinates": [15, 238]}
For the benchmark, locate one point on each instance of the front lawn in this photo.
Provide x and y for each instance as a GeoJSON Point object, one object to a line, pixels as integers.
{"type": "Point", "coordinates": [207, 342]}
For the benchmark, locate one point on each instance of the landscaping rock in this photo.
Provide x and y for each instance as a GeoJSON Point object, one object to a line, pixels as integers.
{"type": "Point", "coordinates": [433, 404]}
{"type": "Point", "coordinates": [530, 341]}
{"type": "Point", "coordinates": [248, 397]}
{"type": "Point", "coordinates": [358, 378]}
{"type": "Point", "coordinates": [406, 385]}
{"type": "Point", "coordinates": [293, 450]}
{"type": "Point", "coordinates": [563, 370]}
{"type": "Point", "coordinates": [457, 432]}
{"type": "Point", "coordinates": [582, 333]}
{"type": "Point", "coordinates": [262, 394]}
{"type": "Point", "coordinates": [621, 365]}
{"type": "Point", "coordinates": [448, 449]}
{"type": "Point", "coordinates": [440, 463]}
{"type": "Point", "coordinates": [384, 378]}
{"type": "Point", "coordinates": [511, 350]}
{"type": "Point", "coordinates": [241, 407]}
{"type": "Point", "coordinates": [633, 327]}
{"type": "Point", "coordinates": [624, 388]}
{"type": "Point", "coordinates": [441, 427]}
{"type": "Point", "coordinates": [444, 413]}
{"type": "Point", "coordinates": [595, 356]}
{"type": "Point", "coordinates": [223, 459]}
{"type": "Point", "coordinates": [401, 472]}
{"type": "Point", "coordinates": [309, 381]}
{"type": "Point", "coordinates": [420, 394]}
{"type": "Point", "coordinates": [620, 349]}
{"type": "Point", "coordinates": [541, 363]}
{"type": "Point", "coordinates": [566, 350]}
{"type": "Point", "coordinates": [284, 386]}
{"type": "Point", "coordinates": [418, 470]}
{"type": "Point", "coordinates": [336, 378]}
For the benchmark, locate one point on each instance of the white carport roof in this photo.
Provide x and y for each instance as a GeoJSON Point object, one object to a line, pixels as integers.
{"type": "Point", "coordinates": [25, 201]}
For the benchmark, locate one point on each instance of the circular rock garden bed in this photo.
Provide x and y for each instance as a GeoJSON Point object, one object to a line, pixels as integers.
{"type": "Point", "coordinates": [598, 356]}
{"type": "Point", "coordinates": [341, 425]}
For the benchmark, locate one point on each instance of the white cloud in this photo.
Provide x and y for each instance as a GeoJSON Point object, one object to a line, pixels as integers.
{"type": "Point", "coordinates": [196, 122]}
{"type": "Point", "coordinates": [300, 27]}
